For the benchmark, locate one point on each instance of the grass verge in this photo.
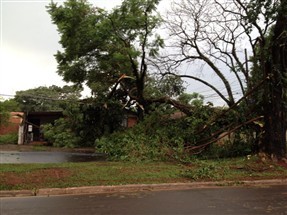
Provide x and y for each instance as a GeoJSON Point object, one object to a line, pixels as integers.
{"type": "Point", "coordinates": [35, 176]}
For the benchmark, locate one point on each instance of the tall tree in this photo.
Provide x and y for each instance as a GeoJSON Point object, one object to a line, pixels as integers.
{"type": "Point", "coordinates": [110, 51]}
{"type": "Point", "coordinates": [274, 65]}
{"type": "Point", "coordinates": [215, 32]}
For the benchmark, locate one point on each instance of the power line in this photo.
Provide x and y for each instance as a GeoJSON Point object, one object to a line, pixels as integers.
{"type": "Point", "coordinates": [6, 95]}
{"type": "Point", "coordinates": [220, 88]}
{"type": "Point", "coordinates": [41, 97]}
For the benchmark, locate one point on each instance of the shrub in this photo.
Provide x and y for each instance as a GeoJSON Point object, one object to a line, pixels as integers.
{"type": "Point", "coordinates": [60, 135]}
{"type": "Point", "coordinates": [234, 149]}
{"type": "Point", "coordinates": [156, 138]}
{"type": "Point", "coordinates": [239, 144]}
{"type": "Point", "coordinates": [205, 171]}
{"type": "Point", "coordinates": [9, 139]}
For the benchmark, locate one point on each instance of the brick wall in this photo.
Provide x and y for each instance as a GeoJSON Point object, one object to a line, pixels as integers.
{"type": "Point", "coordinates": [13, 124]}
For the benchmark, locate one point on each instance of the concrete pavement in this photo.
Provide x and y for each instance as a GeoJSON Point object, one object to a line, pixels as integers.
{"type": "Point", "coordinates": [135, 188]}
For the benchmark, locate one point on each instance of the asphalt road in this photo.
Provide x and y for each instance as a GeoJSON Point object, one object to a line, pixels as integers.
{"type": "Point", "coordinates": [225, 200]}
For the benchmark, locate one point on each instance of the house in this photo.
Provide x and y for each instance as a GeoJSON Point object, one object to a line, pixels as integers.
{"type": "Point", "coordinates": [28, 125]}
{"type": "Point", "coordinates": [30, 130]}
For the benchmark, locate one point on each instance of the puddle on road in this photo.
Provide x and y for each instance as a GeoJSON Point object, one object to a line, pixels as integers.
{"type": "Point", "coordinates": [48, 157]}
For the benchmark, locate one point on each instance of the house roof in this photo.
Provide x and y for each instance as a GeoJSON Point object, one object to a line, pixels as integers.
{"type": "Point", "coordinates": [45, 113]}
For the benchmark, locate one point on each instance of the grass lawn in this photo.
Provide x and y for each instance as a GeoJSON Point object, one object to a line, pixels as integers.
{"type": "Point", "coordinates": [35, 176]}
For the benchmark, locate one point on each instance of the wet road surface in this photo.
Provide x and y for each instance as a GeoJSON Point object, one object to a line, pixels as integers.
{"type": "Point", "coordinates": [47, 157]}
{"type": "Point", "coordinates": [225, 200]}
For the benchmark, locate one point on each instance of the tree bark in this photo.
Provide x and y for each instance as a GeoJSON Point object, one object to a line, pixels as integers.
{"type": "Point", "coordinates": [274, 142]}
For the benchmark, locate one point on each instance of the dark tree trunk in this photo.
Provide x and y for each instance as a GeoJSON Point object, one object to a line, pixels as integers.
{"type": "Point", "coordinates": [274, 142]}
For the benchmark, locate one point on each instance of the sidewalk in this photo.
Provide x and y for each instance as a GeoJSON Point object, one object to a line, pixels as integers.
{"type": "Point", "coordinates": [136, 188]}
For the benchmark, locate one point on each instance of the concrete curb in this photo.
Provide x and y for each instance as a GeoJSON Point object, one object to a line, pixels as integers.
{"type": "Point", "coordinates": [136, 188]}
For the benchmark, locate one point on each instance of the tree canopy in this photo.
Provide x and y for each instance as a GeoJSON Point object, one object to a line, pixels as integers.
{"type": "Point", "coordinates": [108, 51]}
{"type": "Point", "coordinates": [51, 98]}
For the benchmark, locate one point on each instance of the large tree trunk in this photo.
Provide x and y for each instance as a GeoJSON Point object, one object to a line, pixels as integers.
{"type": "Point", "coordinates": [274, 142]}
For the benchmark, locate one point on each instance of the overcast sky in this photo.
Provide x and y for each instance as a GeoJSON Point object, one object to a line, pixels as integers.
{"type": "Point", "coordinates": [29, 41]}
